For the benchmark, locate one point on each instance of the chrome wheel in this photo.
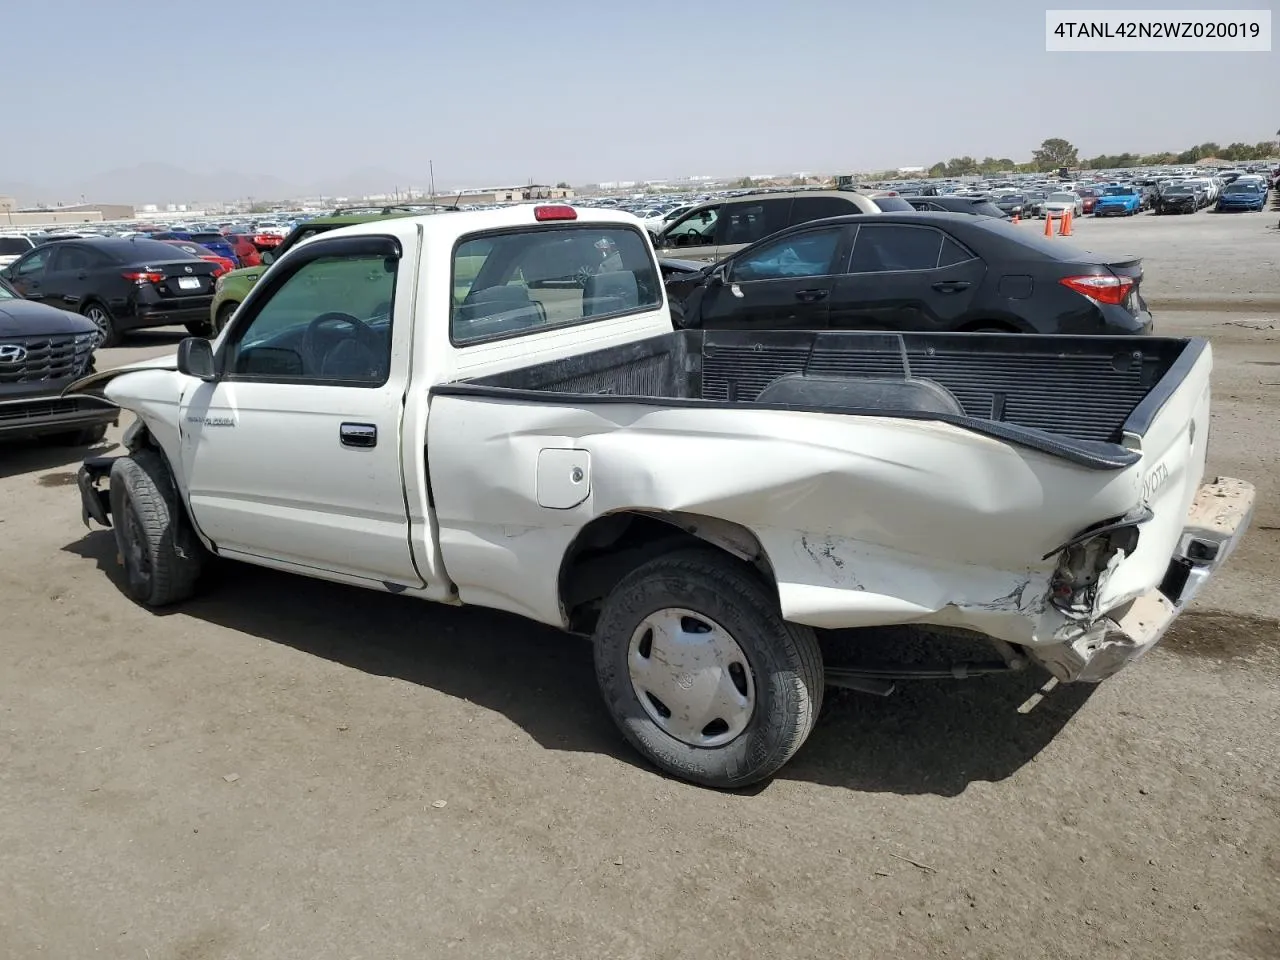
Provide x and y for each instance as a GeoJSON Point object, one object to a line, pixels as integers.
{"type": "Point", "coordinates": [691, 677]}
{"type": "Point", "coordinates": [100, 319]}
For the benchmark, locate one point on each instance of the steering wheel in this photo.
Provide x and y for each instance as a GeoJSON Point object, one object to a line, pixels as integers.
{"type": "Point", "coordinates": [311, 338]}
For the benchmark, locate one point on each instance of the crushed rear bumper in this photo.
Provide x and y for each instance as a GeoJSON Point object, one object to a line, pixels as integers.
{"type": "Point", "coordinates": [1216, 520]}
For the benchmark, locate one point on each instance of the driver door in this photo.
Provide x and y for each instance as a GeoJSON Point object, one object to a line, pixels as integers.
{"type": "Point", "coordinates": [292, 456]}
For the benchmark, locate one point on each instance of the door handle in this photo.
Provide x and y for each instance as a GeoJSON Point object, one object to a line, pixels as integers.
{"type": "Point", "coordinates": [810, 296]}
{"type": "Point", "coordinates": [951, 286]}
{"type": "Point", "coordinates": [358, 435]}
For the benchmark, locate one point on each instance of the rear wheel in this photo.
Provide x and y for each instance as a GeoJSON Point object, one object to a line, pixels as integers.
{"type": "Point", "coordinates": [701, 673]}
{"type": "Point", "coordinates": [109, 336]}
{"type": "Point", "coordinates": [161, 554]}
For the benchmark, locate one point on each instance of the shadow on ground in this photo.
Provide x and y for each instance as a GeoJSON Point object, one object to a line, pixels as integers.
{"type": "Point", "coordinates": [931, 737]}
{"type": "Point", "coordinates": [37, 455]}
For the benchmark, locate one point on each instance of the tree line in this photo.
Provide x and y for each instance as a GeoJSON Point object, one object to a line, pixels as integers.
{"type": "Point", "coordinates": [1056, 152]}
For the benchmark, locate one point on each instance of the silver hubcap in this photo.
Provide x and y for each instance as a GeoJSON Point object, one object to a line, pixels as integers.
{"type": "Point", "coordinates": [98, 317]}
{"type": "Point", "coordinates": [691, 677]}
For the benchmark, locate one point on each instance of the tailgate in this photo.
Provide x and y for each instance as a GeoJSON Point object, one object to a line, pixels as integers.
{"type": "Point", "coordinates": [1170, 428]}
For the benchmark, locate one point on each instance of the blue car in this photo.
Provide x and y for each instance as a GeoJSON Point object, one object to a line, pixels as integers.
{"type": "Point", "coordinates": [1249, 195]}
{"type": "Point", "coordinates": [1118, 202]}
{"type": "Point", "coordinates": [214, 241]}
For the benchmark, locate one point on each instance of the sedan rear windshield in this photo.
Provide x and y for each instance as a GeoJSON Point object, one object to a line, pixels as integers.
{"type": "Point", "coordinates": [145, 251]}
{"type": "Point", "coordinates": [986, 208]}
{"type": "Point", "coordinates": [892, 204]}
{"type": "Point", "coordinates": [14, 246]}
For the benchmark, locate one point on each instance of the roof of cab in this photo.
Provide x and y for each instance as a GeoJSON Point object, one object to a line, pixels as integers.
{"type": "Point", "coordinates": [449, 226]}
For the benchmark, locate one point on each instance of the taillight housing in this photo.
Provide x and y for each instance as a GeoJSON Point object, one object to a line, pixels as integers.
{"type": "Point", "coordinates": [1103, 288]}
{"type": "Point", "coordinates": [143, 277]}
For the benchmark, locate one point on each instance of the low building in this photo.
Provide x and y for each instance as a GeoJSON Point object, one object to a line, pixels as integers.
{"type": "Point", "coordinates": [11, 216]}
{"type": "Point", "coordinates": [520, 194]}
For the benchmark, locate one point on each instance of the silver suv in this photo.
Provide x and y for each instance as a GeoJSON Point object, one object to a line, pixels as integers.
{"type": "Point", "coordinates": [713, 230]}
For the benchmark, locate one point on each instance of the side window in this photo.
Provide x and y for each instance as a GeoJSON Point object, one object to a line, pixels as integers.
{"type": "Point", "coordinates": [512, 283]}
{"type": "Point", "coordinates": [748, 221]}
{"type": "Point", "coordinates": [68, 257]}
{"type": "Point", "coordinates": [806, 254]}
{"type": "Point", "coordinates": [695, 229]}
{"type": "Point", "coordinates": [329, 320]}
{"type": "Point", "coordinates": [34, 263]}
{"type": "Point", "coordinates": [953, 253]}
{"type": "Point", "coordinates": [882, 248]}
{"type": "Point", "coordinates": [804, 209]}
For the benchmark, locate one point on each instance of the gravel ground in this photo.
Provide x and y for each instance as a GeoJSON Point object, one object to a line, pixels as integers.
{"type": "Point", "coordinates": [285, 768]}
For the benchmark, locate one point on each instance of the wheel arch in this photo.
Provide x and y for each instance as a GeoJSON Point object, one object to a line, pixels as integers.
{"type": "Point", "coordinates": [613, 544]}
{"type": "Point", "coordinates": [139, 437]}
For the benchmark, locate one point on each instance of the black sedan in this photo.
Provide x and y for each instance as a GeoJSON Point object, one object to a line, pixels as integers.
{"type": "Point", "coordinates": [119, 284]}
{"type": "Point", "coordinates": [974, 206]}
{"type": "Point", "coordinates": [1013, 205]}
{"type": "Point", "coordinates": [912, 271]}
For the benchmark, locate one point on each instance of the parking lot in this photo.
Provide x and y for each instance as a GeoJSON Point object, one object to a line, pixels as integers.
{"type": "Point", "coordinates": [288, 768]}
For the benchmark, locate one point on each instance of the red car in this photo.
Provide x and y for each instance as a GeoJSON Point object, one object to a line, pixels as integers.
{"type": "Point", "coordinates": [225, 264]}
{"type": "Point", "coordinates": [1089, 196]}
{"type": "Point", "coordinates": [245, 249]}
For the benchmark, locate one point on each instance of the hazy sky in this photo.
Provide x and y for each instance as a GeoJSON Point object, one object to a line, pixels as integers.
{"type": "Point", "coordinates": [508, 90]}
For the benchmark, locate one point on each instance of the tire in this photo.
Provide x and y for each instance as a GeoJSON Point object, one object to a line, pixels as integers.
{"type": "Point", "coordinates": [200, 328]}
{"type": "Point", "coordinates": [85, 437]}
{"type": "Point", "coordinates": [161, 554]}
{"type": "Point", "coordinates": [782, 675]}
{"type": "Point", "coordinates": [97, 312]}
{"type": "Point", "coordinates": [224, 316]}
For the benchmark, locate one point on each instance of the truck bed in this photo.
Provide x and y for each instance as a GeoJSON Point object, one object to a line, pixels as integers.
{"type": "Point", "coordinates": [1071, 397]}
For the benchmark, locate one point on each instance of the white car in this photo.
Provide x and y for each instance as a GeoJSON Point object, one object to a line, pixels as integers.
{"type": "Point", "coordinates": [492, 408]}
{"type": "Point", "coordinates": [1062, 201]}
{"type": "Point", "coordinates": [14, 245]}
{"type": "Point", "coordinates": [656, 224]}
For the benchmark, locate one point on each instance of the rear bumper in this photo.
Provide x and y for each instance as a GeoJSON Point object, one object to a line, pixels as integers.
{"type": "Point", "coordinates": [1216, 521]}
{"type": "Point", "coordinates": [42, 416]}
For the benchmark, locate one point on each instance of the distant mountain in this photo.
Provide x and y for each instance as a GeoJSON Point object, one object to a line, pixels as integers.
{"type": "Point", "coordinates": [166, 183]}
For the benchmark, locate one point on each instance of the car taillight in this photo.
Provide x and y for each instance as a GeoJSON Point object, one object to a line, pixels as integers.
{"type": "Point", "coordinates": [142, 277]}
{"type": "Point", "coordinates": [1104, 289]}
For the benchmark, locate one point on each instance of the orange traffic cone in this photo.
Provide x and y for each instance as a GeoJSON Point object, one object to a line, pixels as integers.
{"type": "Point", "coordinates": [1064, 230]}
{"type": "Point", "coordinates": [1048, 224]}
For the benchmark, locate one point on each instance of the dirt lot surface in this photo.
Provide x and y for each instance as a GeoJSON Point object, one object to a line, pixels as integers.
{"type": "Point", "coordinates": [288, 769]}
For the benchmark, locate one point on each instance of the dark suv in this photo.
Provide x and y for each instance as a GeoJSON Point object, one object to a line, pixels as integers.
{"type": "Point", "coordinates": [42, 350]}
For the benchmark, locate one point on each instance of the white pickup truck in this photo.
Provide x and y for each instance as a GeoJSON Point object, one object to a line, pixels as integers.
{"type": "Point", "coordinates": [492, 408]}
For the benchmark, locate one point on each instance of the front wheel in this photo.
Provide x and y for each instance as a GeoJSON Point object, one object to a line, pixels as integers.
{"type": "Point", "coordinates": [161, 554]}
{"type": "Point", "coordinates": [224, 317]}
{"type": "Point", "coordinates": [108, 335]}
{"type": "Point", "coordinates": [701, 673]}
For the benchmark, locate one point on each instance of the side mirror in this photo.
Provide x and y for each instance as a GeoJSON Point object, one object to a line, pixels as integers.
{"type": "Point", "coordinates": [719, 274]}
{"type": "Point", "coordinates": [4, 274]}
{"type": "Point", "coordinates": [268, 257]}
{"type": "Point", "coordinates": [195, 359]}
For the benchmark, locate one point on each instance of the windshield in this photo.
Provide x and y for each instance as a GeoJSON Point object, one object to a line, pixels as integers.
{"type": "Point", "coordinates": [1118, 191]}
{"type": "Point", "coordinates": [1179, 190]}
{"type": "Point", "coordinates": [1243, 188]}
{"type": "Point", "coordinates": [1061, 198]}
{"type": "Point", "coordinates": [1014, 198]}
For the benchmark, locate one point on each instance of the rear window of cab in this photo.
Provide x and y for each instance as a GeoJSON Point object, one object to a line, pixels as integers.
{"type": "Point", "coordinates": [525, 280]}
